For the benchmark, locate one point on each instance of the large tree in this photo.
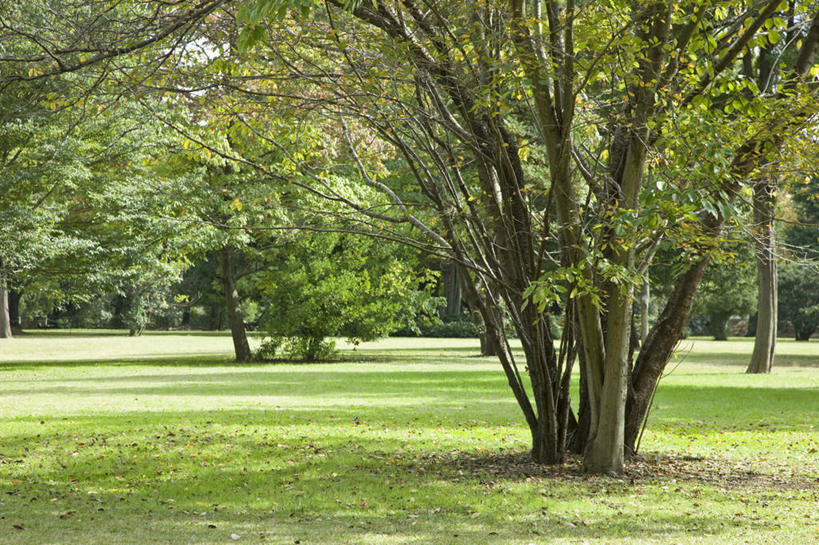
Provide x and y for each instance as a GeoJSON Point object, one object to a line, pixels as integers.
{"type": "Point", "coordinates": [528, 128]}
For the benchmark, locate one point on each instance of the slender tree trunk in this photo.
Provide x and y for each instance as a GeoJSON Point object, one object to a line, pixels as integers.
{"type": "Point", "coordinates": [233, 302]}
{"type": "Point", "coordinates": [645, 300]}
{"type": "Point", "coordinates": [5, 318]}
{"type": "Point", "coordinates": [765, 242]}
{"type": "Point", "coordinates": [452, 290]}
{"type": "Point", "coordinates": [14, 310]}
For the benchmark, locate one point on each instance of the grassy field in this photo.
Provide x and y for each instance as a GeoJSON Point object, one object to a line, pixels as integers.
{"type": "Point", "coordinates": [159, 439]}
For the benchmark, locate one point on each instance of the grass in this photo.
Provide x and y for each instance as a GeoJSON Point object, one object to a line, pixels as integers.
{"type": "Point", "coordinates": [160, 439]}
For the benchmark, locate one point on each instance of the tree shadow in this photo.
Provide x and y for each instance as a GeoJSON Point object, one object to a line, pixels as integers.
{"type": "Point", "coordinates": [352, 488]}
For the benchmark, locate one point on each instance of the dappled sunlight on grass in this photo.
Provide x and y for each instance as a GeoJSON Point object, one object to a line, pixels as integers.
{"type": "Point", "coordinates": [404, 447]}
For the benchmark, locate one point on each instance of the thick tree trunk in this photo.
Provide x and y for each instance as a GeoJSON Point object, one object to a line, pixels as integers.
{"type": "Point", "coordinates": [488, 345]}
{"type": "Point", "coordinates": [233, 302]}
{"type": "Point", "coordinates": [604, 452]}
{"type": "Point", "coordinates": [5, 318]}
{"type": "Point", "coordinates": [765, 241]}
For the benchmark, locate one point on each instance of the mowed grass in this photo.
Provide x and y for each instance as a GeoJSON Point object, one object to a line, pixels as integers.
{"type": "Point", "coordinates": [160, 439]}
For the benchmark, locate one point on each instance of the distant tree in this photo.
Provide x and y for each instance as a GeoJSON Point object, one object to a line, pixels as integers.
{"type": "Point", "coordinates": [799, 297]}
{"type": "Point", "coordinates": [799, 279]}
{"type": "Point", "coordinates": [727, 289]}
{"type": "Point", "coordinates": [801, 235]}
{"type": "Point", "coordinates": [321, 285]}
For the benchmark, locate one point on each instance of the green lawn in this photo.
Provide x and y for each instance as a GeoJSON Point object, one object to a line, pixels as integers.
{"type": "Point", "coordinates": [158, 439]}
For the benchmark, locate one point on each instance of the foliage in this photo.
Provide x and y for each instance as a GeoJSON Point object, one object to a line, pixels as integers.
{"type": "Point", "coordinates": [802, 235]}
{"type": "Point", "coordinates": [81, 215]}
{"type": "Point", "coordinates": [799, 297]}
{"type": "Point", "coordinates": [320, 285]}
{"type": "Point", "coordinates": [728, 289]}
{"type": "Point", "coordinates": [458, 326]}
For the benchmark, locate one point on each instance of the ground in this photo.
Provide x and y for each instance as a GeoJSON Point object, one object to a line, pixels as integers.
{"type": "Point", "coordinates": [109, 439]}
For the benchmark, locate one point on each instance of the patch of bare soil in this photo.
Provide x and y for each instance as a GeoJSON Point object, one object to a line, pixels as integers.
{"type": "Point", "coordinates": [492, 467]}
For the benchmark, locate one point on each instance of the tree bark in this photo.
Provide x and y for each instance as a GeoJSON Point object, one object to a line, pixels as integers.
{"type": "Point", "coordinates": [452, 289]}
{"type": "Point", "coordinates": [5, 318]}
{"type": "Point", "coordinates": [234, 309]}
{"type": "Point", "coordinates": [645, 300]}
{"type": "Point", "coordinates": [489, 341]}
{"type": "Point", "coordinates": [762, 357]}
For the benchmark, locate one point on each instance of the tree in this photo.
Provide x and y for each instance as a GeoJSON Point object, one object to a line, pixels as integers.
{"type": "Point", "coordinates": [79, 214]}
{"type": "Point", "coordinates": [799, 301]}
{"type": "Point", "coordinates": [727, 290]}
{"type": "Point", "coordinates": [760, 65]}
{"type": "Point", "coordinates": [799, 298]}
{"type": "Point", "coordinates": [488, 86]}
{"type": "Point", "coordinates": [528, 128]}
{"type": "Point", "coordinates": [321, 285]}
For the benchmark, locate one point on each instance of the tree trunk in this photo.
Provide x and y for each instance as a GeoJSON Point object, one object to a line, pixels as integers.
{"type": "Point", "coordinates": [466, 288]}
{"type": "Point", "coordinates": [452, 289]}
{"type": "Point", "coordinates": [604, 451]}
{"type": "Point", "coordinates": [233, 302]}
{"type": "Point", "coordinates": [5, 318]}
{"type": "Point", "coordinates": [14, 310]}
{"type": "Point", "coordinates": [488, 346]}
{"type": "Point", "coordinates": [645, 300]}
{"type": "Point", "coordinates": [718, 325]}
{"type": "Point", "coordinates": [765, 242]}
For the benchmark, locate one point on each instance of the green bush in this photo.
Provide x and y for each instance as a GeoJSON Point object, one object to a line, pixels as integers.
{"type": "Point", "coordinates": [296, 348]}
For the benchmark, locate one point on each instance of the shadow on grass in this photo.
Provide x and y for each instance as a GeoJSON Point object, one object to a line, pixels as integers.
{"type": "Point", "coordinates": [91, 333]}
{"type": "Point", "coordinates": [202, 469]}
{"type": "Point", "coordinates": [200, 360]}
{"type": "Point", "coordinates": [741, 360]}
{"type": "Point", "coordinates": [315, 386]}
{"type": "Point", "coordinates": [704, 408]}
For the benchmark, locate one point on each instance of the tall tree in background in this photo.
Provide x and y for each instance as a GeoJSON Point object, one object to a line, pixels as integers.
{"type": "Point", "coordinates": [761, 65]}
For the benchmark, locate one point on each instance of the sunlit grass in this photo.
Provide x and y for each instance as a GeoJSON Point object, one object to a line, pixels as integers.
{"type": "Point", "coordinates": [160, 439]}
